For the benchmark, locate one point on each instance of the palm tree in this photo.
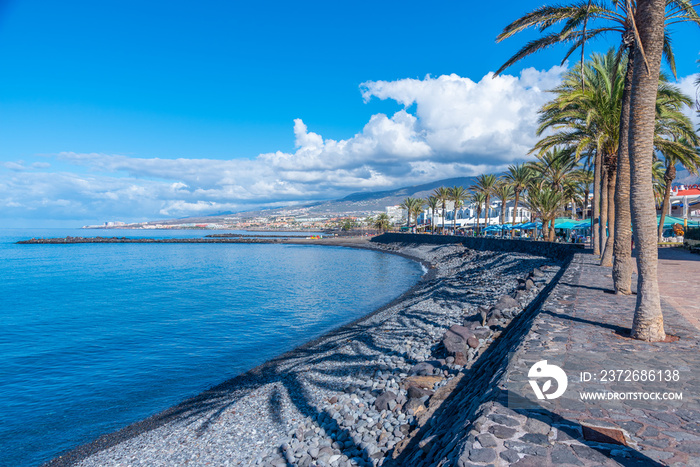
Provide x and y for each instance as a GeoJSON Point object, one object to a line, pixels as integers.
{"type": "Point", "coordinates": [504, 192]}
{"type": "Point", "coordinates": [443, 195]}
{"type": "Point", "coordinates": [457, 195]}
{"type": "Point", "coordinates": [621, 20]}
{"type": "Point", "coordinates": [590, 120]}
{"type": "Point", "coordinates": [648, 322]}
{"type": "Point", "coordinates": [485, 183]}
{"type": "Point", "coordinates": [688, 158]}
{"type": "Point", "coordinates": [433, 203]}
{"type": "Point", "coordinates": [545, 203]}
{"type": "Point", "coordinates": [418, 209]}
{"type": "Point", "coordinates": [479, 199]}
{"type": "Point", "coordinates": [382, 222]}
{"type": "Point", "coordinates": [518, 176]}
{"type": "Point", "coordinates": [584, 178]}
{"type": "Point", "coordinates": [410, 204]}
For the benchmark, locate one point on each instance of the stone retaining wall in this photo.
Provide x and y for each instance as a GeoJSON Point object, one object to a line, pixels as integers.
{"type": "Point", "coordinates": [551, 250]}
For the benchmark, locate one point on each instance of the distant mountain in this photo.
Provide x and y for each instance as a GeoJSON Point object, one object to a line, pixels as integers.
{"type": "Point", "coordinates": [356, 204]}
{"type": "Point", "coordinates": [683, 177]}
{"type": "Point", "coordinates": [366, 202]}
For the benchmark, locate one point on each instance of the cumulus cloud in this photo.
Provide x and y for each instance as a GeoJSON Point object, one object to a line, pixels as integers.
{"type": "Point", "coordinates": [688, 86]}
{"type": "Point", "coordinates": [449, 126]}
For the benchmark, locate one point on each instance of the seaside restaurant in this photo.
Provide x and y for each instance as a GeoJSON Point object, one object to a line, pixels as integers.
{"type": "Point", "coordinates": [685, 202]}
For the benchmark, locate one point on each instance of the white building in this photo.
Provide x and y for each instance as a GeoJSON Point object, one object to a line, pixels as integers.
{"type": "Point", "coordinates": [396, 214]}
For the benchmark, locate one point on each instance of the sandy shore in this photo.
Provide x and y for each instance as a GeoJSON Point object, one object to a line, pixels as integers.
{"type": "Point", "coordinates": [343, 399]}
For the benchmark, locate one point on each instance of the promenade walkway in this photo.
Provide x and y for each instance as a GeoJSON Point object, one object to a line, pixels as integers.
{"type": "Point", "coordinates": [582, 328]}
{"type": "Point", "coordinates": [679, 282]}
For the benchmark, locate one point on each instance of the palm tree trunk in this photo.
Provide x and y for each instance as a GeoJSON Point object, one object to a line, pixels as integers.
{"type": "Point", "coordinates": [586, 192]}
{"type": "Point", "coordinates": [669, 176]}
{"type": "Point", "coordinates": [595, 231]}
{"type": "Point", "coordinates": [515, 211]}
{"type": "Point", "coordinates": [648, 323]}
{"type": "Point", "coordinates": [607, 259]}
{"type": "Point", "coordinates": [478, 215]}
{"type": "Point", "coordinates": [443, 217]}
{"type": "Point", "coordinates": [603, 209]}
{"type": "Point", "coordinates": [486, 215]}
{"type": "Point", "coordinates": [622, 247]}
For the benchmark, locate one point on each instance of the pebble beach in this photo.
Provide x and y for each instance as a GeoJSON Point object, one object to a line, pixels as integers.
{"type": "Point", "coordinates": [355, 395]}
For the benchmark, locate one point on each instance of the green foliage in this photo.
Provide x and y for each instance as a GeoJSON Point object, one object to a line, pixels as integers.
{"type": "Point", "coordinates": [692, 233]}
{"type": "Point", "coordinates": [348, 224]}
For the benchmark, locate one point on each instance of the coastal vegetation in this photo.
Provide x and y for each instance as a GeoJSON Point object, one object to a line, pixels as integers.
{"type": "Point", "coordinates": [615, 129]}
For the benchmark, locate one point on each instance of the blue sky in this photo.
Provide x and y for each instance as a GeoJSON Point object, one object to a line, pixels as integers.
{"type": "Point", "coordinates": [144, 110]}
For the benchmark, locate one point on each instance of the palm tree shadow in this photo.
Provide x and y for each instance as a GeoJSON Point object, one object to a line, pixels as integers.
{"type": "Point", "coordinates": [446, 430]}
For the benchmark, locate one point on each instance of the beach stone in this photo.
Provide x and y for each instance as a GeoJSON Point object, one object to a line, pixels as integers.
{"type": "Point", "coordinates": [422, 369]}
{"type": "Point", "coordinates": [414, 407]}
{"type": "Point", "coordinates": [382, 402]}
{"type": "Point", "coordinates": [473, 342]}
{"type": "Point", "coordinates": [453, 344]}
{"type": "Point", "coordinates": [482, 332]}
{"type": "Point", "coordinates": [461, 359]}
{"type": "Point", "coordinates": [461, 331]}
{"type": "Point", "coordinates": [506, 302]}
{"type": "Point", "coordinates": [414, 392]}
{"type": "Point", "coordinates": [537, 273]}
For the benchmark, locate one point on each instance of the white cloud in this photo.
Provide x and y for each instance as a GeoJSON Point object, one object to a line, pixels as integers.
{"type": "Point", "coordinates": [688, 86]}
{"type": "Point", "coordinates": [449, 126]}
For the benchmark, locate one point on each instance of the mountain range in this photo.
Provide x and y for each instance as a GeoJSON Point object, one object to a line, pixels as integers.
{"type": "Point", "coordinates": [356, 204]}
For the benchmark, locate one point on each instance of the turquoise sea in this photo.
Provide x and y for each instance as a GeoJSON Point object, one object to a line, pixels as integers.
{"type": "Point", "coordinates": [98, 336]}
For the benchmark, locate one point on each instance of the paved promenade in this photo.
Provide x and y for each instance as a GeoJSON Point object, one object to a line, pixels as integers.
{"type": "Point", "coordinates": [679, 281]}
{"type": "Point", "coordinates": [581, 327]}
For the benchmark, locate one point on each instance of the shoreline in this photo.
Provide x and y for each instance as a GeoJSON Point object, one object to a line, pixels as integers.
{"type": "Point", "coordinates": [241, 390]}
{"type": "Point", "coordinates": [82, 452]}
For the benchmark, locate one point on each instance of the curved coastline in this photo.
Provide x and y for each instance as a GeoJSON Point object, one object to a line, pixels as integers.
{"type": "Point", "coordinates": [323, 399]}
{"type": "Point", "coordinates": [108, 440]}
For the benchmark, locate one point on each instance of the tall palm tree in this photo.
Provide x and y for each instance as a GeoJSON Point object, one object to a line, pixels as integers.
{"type": "Point", "coordinates": [621, 20]}
{"type": "Point", "coordinates": [382, 222]}
{"type": "Point", "coordinates": [478, 198]}
{"type": "Point", "coordinates": [443, 195]}
{"type": "Point", "coordinates": [648, 322]}
{"type": "Point", "coordinates": [591, 120]}
{"type": "Point", "coordinates": [518, 176]}
{"type": "Point", "coordinates": [485, 184]}
{"type": "Point", "coordinates": [457, 195]}
{"type": "Point", "coordinates": [504, 192]}
{"type": "Point", "coordinates": [433, 203]}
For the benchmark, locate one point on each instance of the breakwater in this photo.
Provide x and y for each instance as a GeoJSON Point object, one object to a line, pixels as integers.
{"type": "Point", "coordinates": [73, 240]}
{"type": "Point", "coordinates": [548, 249]}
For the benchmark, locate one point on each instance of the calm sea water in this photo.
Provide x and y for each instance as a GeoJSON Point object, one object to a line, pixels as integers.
{"type": "Point", "coordinates": [95, 337]}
